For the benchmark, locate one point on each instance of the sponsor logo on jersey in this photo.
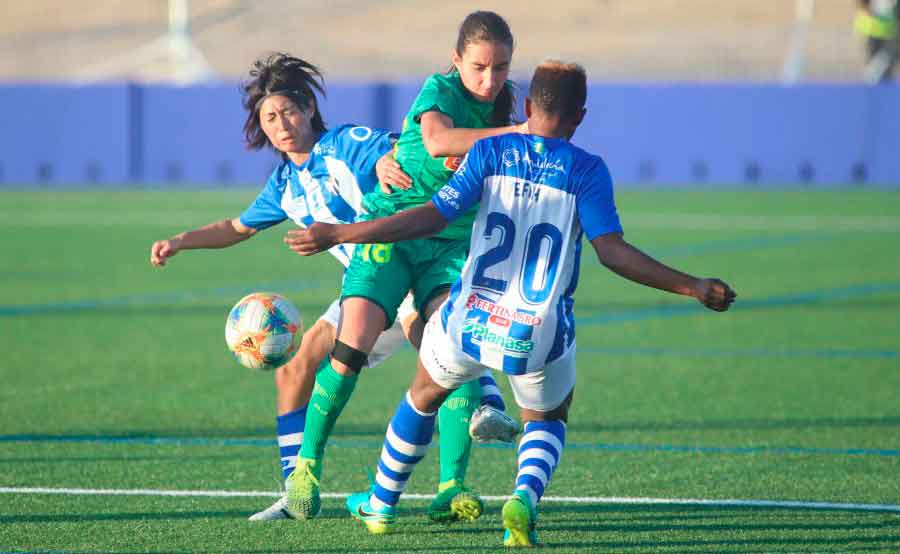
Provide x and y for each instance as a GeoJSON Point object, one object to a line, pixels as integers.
{"type": "Point", "coordinates": [481, 334]}
{"type": "Point", "coordinates": [450, 196]}
{"type": "Point", "coordinates": [452, 162]}
{"type": "Point", "coordinates": [502, 312]}
{"type": "Point", "coordinates": [360, 133]}
{"type": "Point", "coordinates": [512, 156]}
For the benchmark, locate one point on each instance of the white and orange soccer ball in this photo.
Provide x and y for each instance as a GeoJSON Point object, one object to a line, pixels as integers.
{"type": "Point", "coordinates": [263, 330]}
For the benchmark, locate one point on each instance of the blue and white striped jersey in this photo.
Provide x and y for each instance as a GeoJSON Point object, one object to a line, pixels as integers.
{"type": "Point", "coordinates": [329, 187]}
{"type": "Point", "coordinates": [511, 308]}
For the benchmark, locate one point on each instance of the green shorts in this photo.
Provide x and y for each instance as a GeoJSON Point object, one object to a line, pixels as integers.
{"type": "Point", "coordinates": [385, 273]}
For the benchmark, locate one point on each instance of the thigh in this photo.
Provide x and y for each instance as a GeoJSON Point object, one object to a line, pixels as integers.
{"type": "Point", "coordinates": [546, 389]}
{"type": "Point", "coordinates": [437, 264]}
{"type": "Point", "coordinates": [378, 274]}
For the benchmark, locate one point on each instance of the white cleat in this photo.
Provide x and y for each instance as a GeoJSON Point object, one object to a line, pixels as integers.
{"type": "Point", "coordinates": [276, 511]}
{"type": "Point", "coordinates": [488, 424]}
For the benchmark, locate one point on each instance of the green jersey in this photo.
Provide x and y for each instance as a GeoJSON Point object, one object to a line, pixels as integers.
{"type": "Point", "coordinates": [445, 94]}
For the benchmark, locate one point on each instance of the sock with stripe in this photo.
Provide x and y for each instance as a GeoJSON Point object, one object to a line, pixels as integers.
{"type": "Point", "coordinates": [330, 394]}
{"type": "Point", "coordinates": [405, 443]}
{"type": "Point", "coordinates": [539, 452]}
{"type": "Point", "coordinates": [290, 437]}
{"type": "Point", "coordinates": [453, 422]}
{"type": "Point", "coordinates": [490, 392]}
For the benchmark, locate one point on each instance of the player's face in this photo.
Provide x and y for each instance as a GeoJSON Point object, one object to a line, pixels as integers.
{"type": "Point", "coordinates": [288, 126]}
{"type": "Point", "coordinates": [483, 68]}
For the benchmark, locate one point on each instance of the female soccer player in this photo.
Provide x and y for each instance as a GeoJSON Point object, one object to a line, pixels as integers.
{"type": "Point", "coordinates": [453, 110]}
{"type": "Point", "coordinates": [322, 177]}
{"type": "Point", "coordinates": [538, 195]}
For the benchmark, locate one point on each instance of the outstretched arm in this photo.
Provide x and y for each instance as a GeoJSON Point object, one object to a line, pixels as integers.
{"type": "Point", "coordinates": [220, 234]}
{"type": "Point", "coordinates": [414, 223]}
{"type": "Point", "coordinates": [442, 139]}
{"type": "Point", "coordinates": [629, 262]}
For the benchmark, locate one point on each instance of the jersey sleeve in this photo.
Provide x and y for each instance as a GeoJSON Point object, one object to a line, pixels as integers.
{"type": "Point", "coordinates": [434, 96]}
{"type": "Point", "coordinates": [594, 201]}
{"type": "Point", "coordinates": [266, 210]}
{"type": "Point", "coordinates": [361, 148]}
{"type": "Point", "coordinates": [465, 187]}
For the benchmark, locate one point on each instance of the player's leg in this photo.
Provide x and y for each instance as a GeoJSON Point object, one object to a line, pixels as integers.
{"type": "Point", "coordinates": [294, 382]}
{"type": "Point", "coordinates": [374, 286]}
{"type": "Point", "coordinates": [489, 422]}
{"type": "Point", "coordinates": [454, 501]}
{"type": "Point", "coordinates": [544, 397]}
{"type": "Point", "coordinates": [410, 430]}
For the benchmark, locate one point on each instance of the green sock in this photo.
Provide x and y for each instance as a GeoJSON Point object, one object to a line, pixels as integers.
{"type": "Point", "coordinates": [453, 421]}
{"type": "Point", "coordinates": [330, 394]}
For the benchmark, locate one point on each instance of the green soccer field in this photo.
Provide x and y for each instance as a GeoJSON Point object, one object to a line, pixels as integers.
{"type": "Point", "coordinates": [127, 427]}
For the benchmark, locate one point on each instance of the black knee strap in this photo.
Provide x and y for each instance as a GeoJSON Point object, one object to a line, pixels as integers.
{"type": "Point", "coordinates": [349, 356]}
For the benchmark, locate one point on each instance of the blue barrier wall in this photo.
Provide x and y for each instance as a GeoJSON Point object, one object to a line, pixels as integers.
{"type": "Point", "coordinates": [659, 135]}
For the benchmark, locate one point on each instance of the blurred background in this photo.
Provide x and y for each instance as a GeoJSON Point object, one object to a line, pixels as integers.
{"type": "Point", "coordinates": [768, 94]}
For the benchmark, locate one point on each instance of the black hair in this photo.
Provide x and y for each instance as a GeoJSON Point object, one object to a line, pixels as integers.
{"type": "Point", "coordinates": [490, 27]}
{"type": "Point", "coordinates": [559, 88]}
{"type": "Point", "coordinates": [284, 75]}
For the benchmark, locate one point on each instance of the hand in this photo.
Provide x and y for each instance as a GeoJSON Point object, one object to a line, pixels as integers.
{"type": "Point", "coordinates": [390, 175]}
{"type": "Point", "coordinates": [318, 237]}
{"type": "Point", "coordinates": [163, 250]}
{"type": "Point", "coordinates": [523, 128]}
{"type": "Point", "coordinates": [714, 294]}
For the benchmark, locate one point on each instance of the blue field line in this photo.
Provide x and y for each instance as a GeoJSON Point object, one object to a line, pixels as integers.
{"type": "Point", "coordinates": [778, 301]}
{"type": "Point", "coordinates": [740, 352]}
{"type": "Point", "coordinates": [164, 298]}
{"type": "Point", "coordinates": [338, 443]}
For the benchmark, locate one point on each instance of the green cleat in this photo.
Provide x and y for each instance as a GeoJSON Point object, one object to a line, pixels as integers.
{"type": "Point", "coordinates": [378, 522]}
{"type": "Point", "coordinates": [302, 491]}
{"type": "Point", "coordinates": [455, 503]}
{"type": "Point", "coordinates": [518, 520]}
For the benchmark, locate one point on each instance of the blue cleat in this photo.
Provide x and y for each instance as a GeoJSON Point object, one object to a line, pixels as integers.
{"type": "Point", "coordinates": [379, 521]}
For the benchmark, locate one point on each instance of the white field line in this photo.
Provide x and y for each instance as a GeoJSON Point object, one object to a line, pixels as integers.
{"type": "Point", "coordinates": [630, 220]}
{"type": "Point", "coordinates": [723, 503]}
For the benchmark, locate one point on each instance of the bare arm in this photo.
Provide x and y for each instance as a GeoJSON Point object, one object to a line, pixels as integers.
{"type": "Point", "coordinates": [414, 223]}
{"type": "Point", "coordinates": [220, 234]}
{"type": "Point", "coordinates": [629, 262]}
{"type": "Point", "coordinates": [442, 139]}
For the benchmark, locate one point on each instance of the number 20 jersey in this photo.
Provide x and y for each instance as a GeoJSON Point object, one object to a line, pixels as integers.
{"type": "Point", "coordinates": [511, 308]}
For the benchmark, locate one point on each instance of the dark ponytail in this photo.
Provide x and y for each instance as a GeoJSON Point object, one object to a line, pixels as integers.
{"type": "Point", "coordinates": [489, 27]}
{"type": "Point", "coordinates": [283, 75]}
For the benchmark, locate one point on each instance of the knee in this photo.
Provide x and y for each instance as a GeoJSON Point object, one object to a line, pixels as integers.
{"type": "Point", "coordinates": [305, 363]}
{"type": "Point", "coordinates": [561, 412]}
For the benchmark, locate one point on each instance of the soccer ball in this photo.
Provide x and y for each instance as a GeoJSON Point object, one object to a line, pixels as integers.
{"type": "Point", "coordinates": [263, 330]}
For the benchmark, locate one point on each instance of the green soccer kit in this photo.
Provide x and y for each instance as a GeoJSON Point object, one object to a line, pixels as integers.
{"type": "Point", "coordinates": [424, 266]}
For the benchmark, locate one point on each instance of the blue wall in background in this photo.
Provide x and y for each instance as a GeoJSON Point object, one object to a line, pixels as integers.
{"type": "Point", "coordinates": [661, 135]}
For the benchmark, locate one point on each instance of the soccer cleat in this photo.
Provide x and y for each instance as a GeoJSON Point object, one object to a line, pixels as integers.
{"type": "Point", "coordinates": [518, 520]}
{"type": "Point", "coordinates": [455, 503]}
{"type": "Point", "coordinates": [490, 424]}
{"type": "Point", "coordinates": [377, 521]}
{"type": "Point", "coordinates": [276, 511]}
{"type": "Point", "coordinates": [302, 491]}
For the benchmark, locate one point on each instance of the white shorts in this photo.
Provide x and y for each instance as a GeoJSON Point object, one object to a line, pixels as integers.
{"type": "Point", "coordinates": [542, 390]}
{"type": "Point", "coordinates": [389, 341]}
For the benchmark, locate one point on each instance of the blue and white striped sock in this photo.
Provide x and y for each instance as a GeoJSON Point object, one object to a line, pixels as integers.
{"type": "Point", "coordinates": [539, 452]}
{"type": "Point", "coordinates": [408, 436]}
{"type": "Point", "coordinates": [290, 438]}
{"type": "Point", "coordinates": [490, 392]}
